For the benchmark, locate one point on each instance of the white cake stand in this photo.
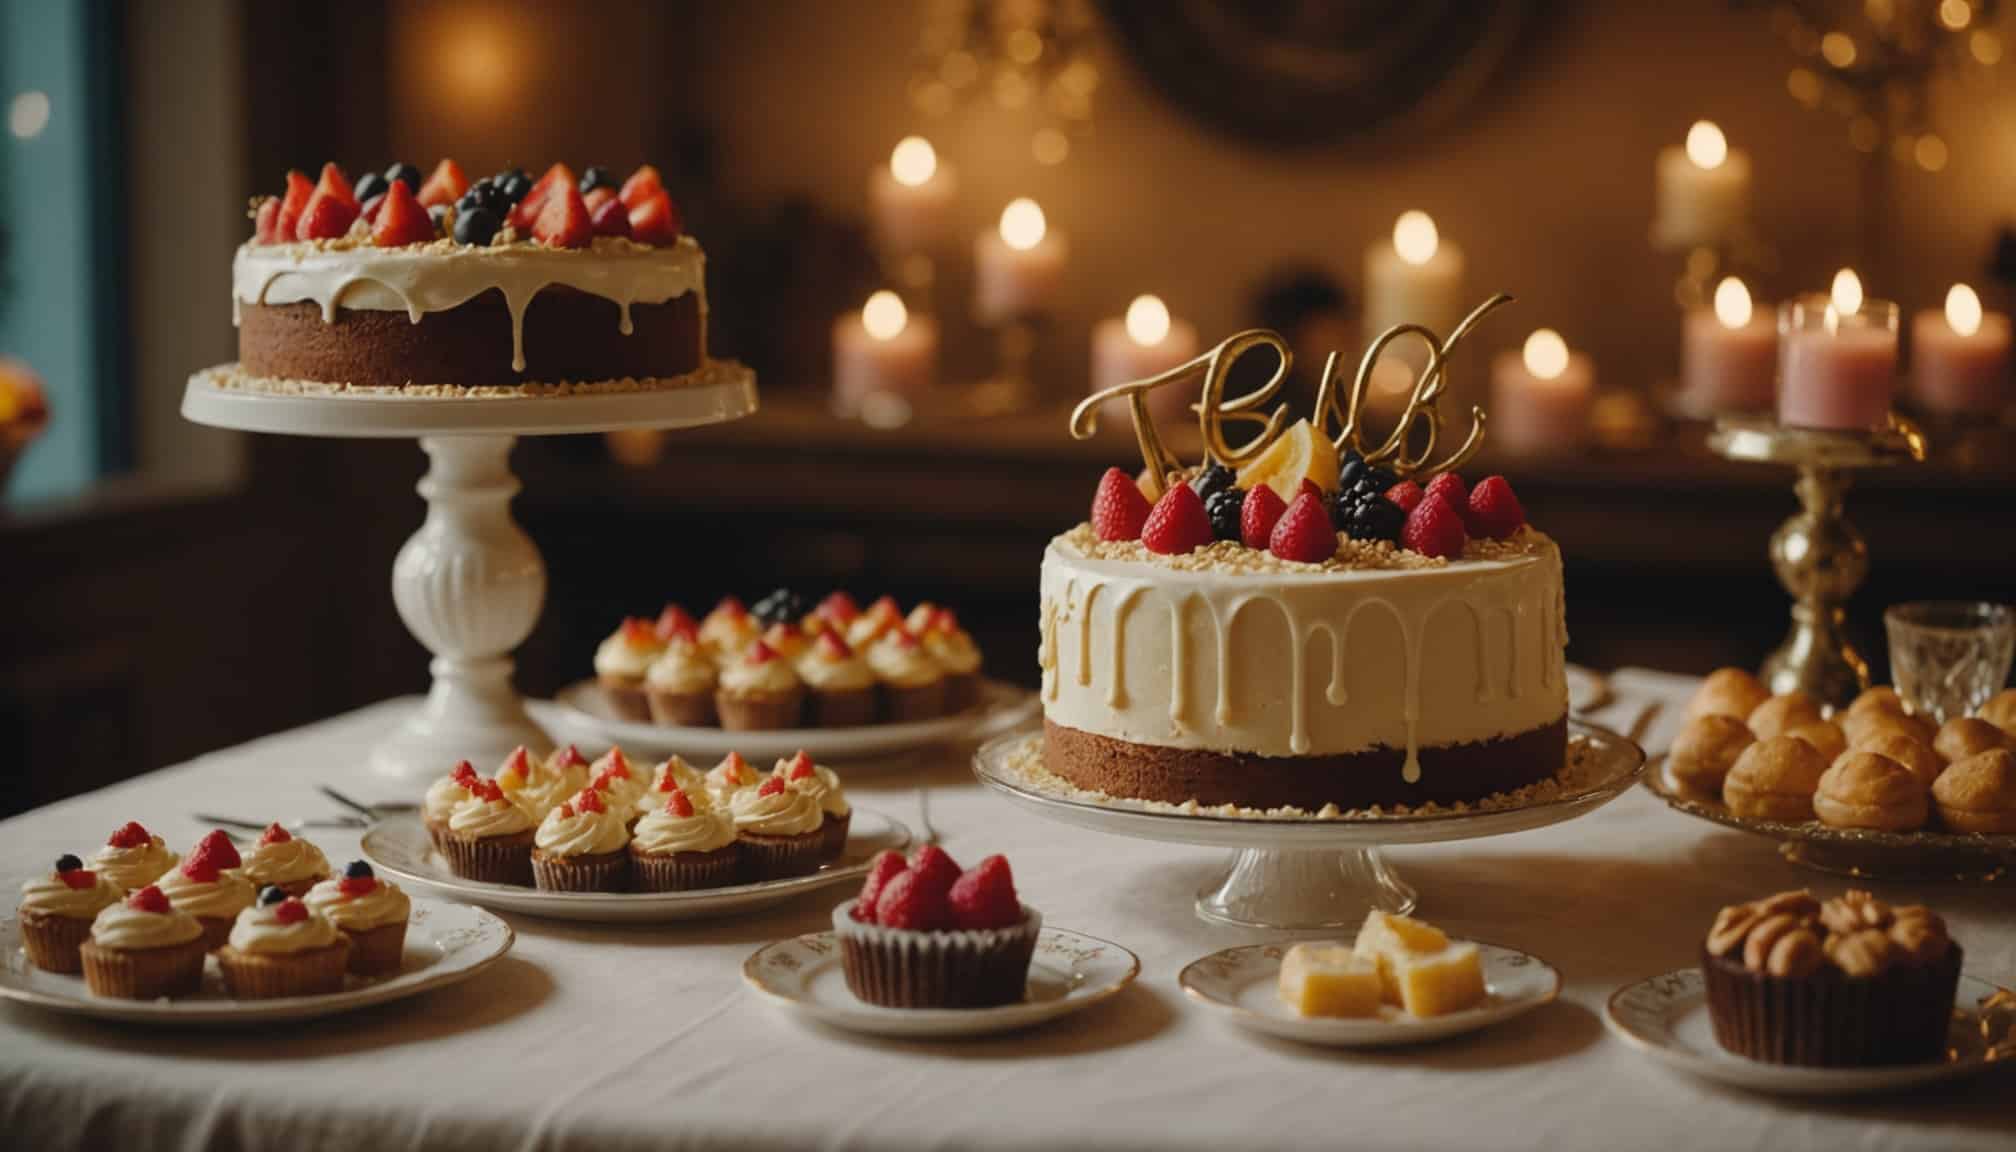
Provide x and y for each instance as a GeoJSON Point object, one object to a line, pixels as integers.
{"type": "Point", "coordinates": [469, 584]}
{"type": "Point", "coordinates": [1307, 873]}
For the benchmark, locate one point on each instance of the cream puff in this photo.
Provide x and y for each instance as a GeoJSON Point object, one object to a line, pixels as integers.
{"type": "Point", "coordinates": [1705, 750]}
{"type": "Point", "coordinates": [1881, 698]}
{"type": "Point", "coordinates": [1907, 750]}
{"type": "Point", "coordinates": [1866, 790]}
{"type": "Point", "coordinates": [1779, 714]}
{"type": "Point", "coordinates": [1978, 794]}
{"type": "Point", "coordinates": [1965, 736]}
{"type": "Point", "coordinates": [1825, 736]}
{"type": "Point", "coordinates": [1775, 779]}
{"type": "Point", "coordinates": [2000, 710]}
{"type": "Point", "coordinates": [1863, 728]}
{"type": "Point", "coordinates": [1728, 692]}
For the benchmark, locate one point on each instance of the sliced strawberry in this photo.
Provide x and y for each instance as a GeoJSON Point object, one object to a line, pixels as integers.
{"type": "Point", "coordinates": [641, 184]}
{"type": "Point", "coordinates": [759, 653]}
{"type": "Point", "coordinates": [589, 800]}
{"type": "Point", "coordinates": [799, 767]}
{"type": "Point", "coordinates": [1118, 508]}
{"type": "Point", "coordinates": [487, 791]}
{"type": "Point", "coordinates": [678, 804]}
{"type": "Point", "coordinates": [673, 621]}
{"type": "Point", "coordinates": [292, 204]}
{"type": "Point", "coordinates": [444, 186]}
{"type": "Point", "coordinates": [326, 217]}
{"type": "Point", "coordinates": [402, 220]}
{"type": "Point", "coordinates": [984, 897]}
{"type": "Point", "coordinates": [518, 764]}
{"type": "Point", "coordinates": [464, 774]}
{"type": "Point", "coordinates": [266, 224]}
{"type": "Point", "coordinates": [655, 220]}
{"type": "Point", "coordinates": [564, 221]}
{"type": "Point", "coordinates": [608, 217]}
{"type": "Point", "coordinates": [355, 886]}
{"type": "Point", "coordinates": [771, 786]}
{"type": "Point", "coordinates": [129, 835]}
{"type": "Point", "coordinates": [526, 211]}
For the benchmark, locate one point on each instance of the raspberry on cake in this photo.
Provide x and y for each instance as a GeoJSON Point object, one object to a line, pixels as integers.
{"type": "Point", "coordinates": [925, 934]}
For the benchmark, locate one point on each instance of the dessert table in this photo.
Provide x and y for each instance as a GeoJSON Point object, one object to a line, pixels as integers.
{"type": "Point", "coordinates": [601, 1037]}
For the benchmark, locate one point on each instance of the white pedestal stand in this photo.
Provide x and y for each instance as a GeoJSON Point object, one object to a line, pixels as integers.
{"type": "Point", "coordinates": [470, 583]}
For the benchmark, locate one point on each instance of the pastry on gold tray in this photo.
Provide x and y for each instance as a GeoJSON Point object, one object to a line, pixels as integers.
{"type": "Point", "coordinates": [1775, 779]}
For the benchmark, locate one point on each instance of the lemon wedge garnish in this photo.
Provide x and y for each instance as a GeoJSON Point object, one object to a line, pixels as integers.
{"type": "Point", "coordinates": [1300, 454]}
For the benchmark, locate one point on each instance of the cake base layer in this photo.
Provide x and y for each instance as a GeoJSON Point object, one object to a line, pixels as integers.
{"type": "Point", "coordinates": [567, 336]}
{"type": "Point", "coordinates": [1452, 774]}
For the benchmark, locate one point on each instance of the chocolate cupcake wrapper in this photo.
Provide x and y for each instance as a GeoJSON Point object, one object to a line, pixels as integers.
{"type": "Point", "coordinates": [903, 705]}
{"type": "Point", "coordinates": [1828, 1019]}
{"type": "Point", "coordinates": [606, 872]}
{"type": "Point", "coordinates": [379, 951]}
{"type": "Point", "coordinates": [686, 871]}
{"type": "Point", "coordinates": [260, 976]}
{"type": "Point", "coordinates": [144, 973]}
{"type": "Point", "coordinates": [895, 968]}
{"type": "Point", "coordinates": [626, 698]}
{"type": "Point", "coordinates": [681, 709]}
{"type": "Point", "coordinates": [492, 859]}
{"type": "Point", "coordinates": [834, 834]}
{"type": "Point", "coordinates": [52, 942]}
{"type": "Point", "coordinates": [760, 713]}
{"type": "Point", "coordinates": [849, 708]}
{"type": "Point", "coordinates": [776, 857]}
{"type": "Point", "coordinates": [962, 691]}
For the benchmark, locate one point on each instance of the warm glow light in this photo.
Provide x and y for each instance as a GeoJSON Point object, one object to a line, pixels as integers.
{"type": "Point", "coordinates": [1415, 238]}
{"type": "Point", "coordinates": [1846, 294]}
{"type": "Point", "coordinates": [1050, 147]}
{"type": "Point", "coordinates": [1838, 48]}
{"type": "Point", "coordinates": [884, 316]}
{"type": "Point", "coordinates": [914, 161]}
{"type": "Point", "coordinates": [1546, 354]}
{"type": "Point", "coordinates": [479, 62]}
{"type": "Point", "coordinates": [1956, 14]}
{"type": "Point", "coordinates": [1147, 321]}
{"type": "Point", "coordinates": [1732, 303]}
{"type": "Point", "coordinates": [1022, 224]}
{"type": "Point", "coordinates": [1930, 152]}
{"type": "Point", "coordinates": [1963, 310]}
{"type": "Point", "coordinates": [1706, 146]}
{"type": "Point", "coordinates": [28, 114]}
{"type": "Point", "coordinates": [1986, 46]}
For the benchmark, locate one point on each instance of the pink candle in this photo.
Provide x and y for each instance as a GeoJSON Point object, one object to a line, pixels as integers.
{"type": "Point", "coordinates": [911, 199]}
{"type": "Point", "coordinates": [1839, 359]}
{"type": "Point", "coordinates": [1541, 396]}
{"type": "Point", "coordinates": [882, 349]}
{"type": "Point", "coordinates": [1728, 356]}
{"type": "Point", "coordinates": [1960, 356]}
{"type": "Point", "coordinates": [1147, 342]}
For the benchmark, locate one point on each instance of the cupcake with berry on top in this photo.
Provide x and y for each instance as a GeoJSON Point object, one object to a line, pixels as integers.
{"type": "Point", "coordinates": [537, 784]}
{"type": "Point", "coordinates": [780, 829]}
{"type": "Point", "coordinates": [56, 912]}
{"type": "Point", "coordinates": [209, 887]}
{"type": "Point", "coordinates": [285, 861]}
{"type": "Point", "coordinates": [731, 776]}
{"type": "Point", "coordinates": [684, 844]}
{"type": "Point", "coordinates": [759, 692]}
{"type": "Point", "coordinates": [839, 685]}
{"type": "Point", "coordinates": [133, 858]}
{"type": "Point", "coordinates": [728, 629]}
{"type": "Point", "coordinates": [582, 846]}
{"type": "Point", "coordinates": [144, 948]}
{"type": "Point", "coordinates": [281, 947]}
{"type": "Point", "coordinates": [953, 650]}
{"type": "Point", "coordinates": [490, 837]}
{"type": "Point", "coordinates": [620, 782]}
{"type": "Point", "coordinates": [822, 784]}
{"type": "Point", "coordinates": [370, 912]}
{"type": "Point", "coordinates": [674, 775]}
{"type": "Point", "coordinates": [679, 685]}
{"type": "Point", "coordinates": [868, 626]}
{"type": "Point", "coordinates": [836, 611]}
{"type": "Point", "coordinates": [913, 685]}
{"type": "Point", "coordinates": [442, 797]}
{"type": "Point", "coordinates": [923, 934]}
{"type": "Point", "coordinates": [621, 661]}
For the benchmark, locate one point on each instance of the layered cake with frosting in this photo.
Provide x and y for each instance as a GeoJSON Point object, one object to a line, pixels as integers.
{"type": "Point", "coordinates": [442, 285]}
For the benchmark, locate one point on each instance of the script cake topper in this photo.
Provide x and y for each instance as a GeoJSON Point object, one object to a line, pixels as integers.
{"type": "Point", "coordinates": [1402, 451]}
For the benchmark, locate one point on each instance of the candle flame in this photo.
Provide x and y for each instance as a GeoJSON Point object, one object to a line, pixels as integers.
{"type": "Point", "coordinates": [1147, 321]}
{"type": "Point", "coordinates": [1022, 224]}
{"type": "Point", "coordinates": [1706, 146]}
{"type": "Point", "coordinates": [914, 161]}
{"type": "Point", "coordinates": [1846, 295]}
{"type": "Point", "coordinates": [1732, 303]}
{"type": "Point", "coordinates": [1546, 354]}
{"type": "Point", "coordinates": [1415, 238]}
{"type": "Point", "coordinates": [1963, 310]}
{"type": "Point", "coordinates": [884, 316]}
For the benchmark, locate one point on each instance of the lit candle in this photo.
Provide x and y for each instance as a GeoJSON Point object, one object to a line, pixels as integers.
{"type": "Point", "coordinates": [911, 198]}
{"type": "Point", "coordinates": [1703, 190]}
{"type": "Point", "coordinates": [1415, 277]}
{"type": "Point", "coordinates": [1960, 357]}
{"type": "Point", "coordinates": [1728, 355]}
{"type": "Point", "coordinates": [1018, 267]}
{"type": "Point", "coordinates": [1541, 396]}
{"type": "Point", "coordinates": [882, 349]}
{"type": "Point", "coordinates": [1146, 342]}
{"type": "Point", "coordinates": [1838, 358]}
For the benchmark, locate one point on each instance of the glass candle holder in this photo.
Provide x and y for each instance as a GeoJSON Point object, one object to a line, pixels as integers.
{"type": "Point", "coordinates": [1947, 657]}
{"type": "Point", "coordinates": [1837, 365]}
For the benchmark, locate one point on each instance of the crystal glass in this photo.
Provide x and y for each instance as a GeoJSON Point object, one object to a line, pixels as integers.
{"type": "Point", "coordinates": [1947, 657]}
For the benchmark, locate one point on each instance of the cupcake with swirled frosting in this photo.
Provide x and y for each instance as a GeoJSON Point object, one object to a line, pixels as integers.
{"type": "Point", "coordinates": [144, 948]}
{"type": "Point", "coordinates": [56, 912]}
{"type": "Point", "coordinates": [684, 844]}
{"type": "Point", "coordinates": [371, 912]}
{"type": "Point", "coordinates": [868, 627]}
{"type": "Point", "coordinates": [822, 784]}
{"type": "Point", "coordinates": [538, 784]}
{"type": "Point", "coordinates": [133, 858]}
{"type": "Point", "coordinates": [285, 861]}
{"type": "Point", "coordinates": [913, 684]}
{"type": "Point", "coordinates": [673, 775]}
{"type": "Point", "coordinates": [442, 797]}
{"type": "Point", "coordinates": [281, 947]}
{"type": "Point", "coordinates": [582, 846]}
{"type": "Point", "coordinates": [759, 692]}
{"type": "Point", "coordinates": [621, 661]}
{"type": "Point", "coordinates": [679, 685]}
{"type": "Point", "coordinates": [732, 775]}
{"type": "Point", "coordinates": [727, 629]}
{"type": "Point", "coordinates": [621, 783]}
{"type": "Point", "coordinates": [780, 829]}
{"type": "Point", "coordinates": [490, 837]}
{"type": "Point", "coordinates": [209, 887]}
{"type": "Point", "coordinates": [839, 686]}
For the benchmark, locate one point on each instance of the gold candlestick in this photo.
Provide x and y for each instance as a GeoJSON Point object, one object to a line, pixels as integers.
{"type": "Point", "coordinates": [1818, 555]}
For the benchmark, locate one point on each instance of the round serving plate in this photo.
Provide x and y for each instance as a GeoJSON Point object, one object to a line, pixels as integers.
{"type": "Point", "coordinates": [1666, 1018]}
{"type": "Point", "coordinates": [583, 710]}
{"type": "Point", "coordinates": [1069, 972]}
{"type": "Point", "coordinates": [401, 847]}
{"type": "Point", "coordinates": [1861, 852]}
{"type": "Point", "coordinates": [445, 944]}
{"type": "Point", "coordinates": [1241, 984]}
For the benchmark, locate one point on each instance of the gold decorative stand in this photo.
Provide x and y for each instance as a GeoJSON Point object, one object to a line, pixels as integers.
{"type": "Point", "coordinates": [1820, 558]}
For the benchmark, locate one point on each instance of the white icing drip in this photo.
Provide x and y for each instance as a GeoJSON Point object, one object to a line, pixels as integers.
{"type": "Point", "coordinates": [1046, 652]}
{"type": "Point", "coordinates": [1084, 611]}
{"type": "Point", "coordinates": [1116, 694]}
{"type": "Point", "coordinates": [1178, 671]}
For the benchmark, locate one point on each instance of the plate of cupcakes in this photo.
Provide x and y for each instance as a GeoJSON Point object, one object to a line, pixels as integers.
{"type": "Point", "coordinates": [137, 933]}
{"type": "Point", "coordinates": [866, 682]}
{"type": "Point", "coordinates": [618, 840]}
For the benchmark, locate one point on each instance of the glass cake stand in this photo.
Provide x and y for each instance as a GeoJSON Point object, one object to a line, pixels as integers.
{"type": "Point", "coordinates": [1306, 872]}
{"type": "Point", "coordinates": [469, 584]}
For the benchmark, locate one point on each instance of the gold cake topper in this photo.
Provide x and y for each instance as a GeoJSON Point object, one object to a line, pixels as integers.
{"type": "Point", "coordinates": [1215, 411]}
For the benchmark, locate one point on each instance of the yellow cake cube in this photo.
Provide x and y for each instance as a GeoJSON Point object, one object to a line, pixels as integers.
{"type": "Point", "coordinates": [1329, 980]}
{"type": "Point", "coordinates": [1386, 940]}
{"type": "Point", "coordinates": [1438, 983]}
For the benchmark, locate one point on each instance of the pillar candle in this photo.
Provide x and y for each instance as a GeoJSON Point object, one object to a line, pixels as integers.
{"type": "Point", "coordinates": [1728, 355]}
{"type": "Point", "coordinates": [882, 348]}
{"type": "Point", "coordinates": [1413, 277]}
{"type": "Point", "coordinates": [1960, 356]}
{"type": "Point", "coordinates": [1703, 190]}
{"type": "Point", "coordinates": [911, 198]}
{"type": "Point", "coordinates": [1838, 359]}
{"type": "Point", "coordinates": [1018, 267]}
{"type": "Point", "coordinates": [1541, 396]}
{"type": "Point", "coordinates": [1146, 342]}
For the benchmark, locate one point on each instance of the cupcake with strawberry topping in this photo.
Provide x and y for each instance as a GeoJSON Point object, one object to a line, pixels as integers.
{"type": "Point", "coordinates": [56, 912]}
{"type": "Point", "coordinates": [923, 934]}
{"type": "Point", "coordinates": [822, 784]}
{"type": "Point", "coordinates": [759, 692]}
{"type": "Point", "coordinates": [209, 887]}
{"type": "Point", "coordinates": [674, 775]}
{"type": "Point", "coordinates": [684, 844]}
{"type": "Point", "coordinates": [727, 629]}
{"type": "Point", "coordinates": [621, 661]}
{"type": "Point", "coordinates": [370, 912]}
{"type": "Point", "coordinates": [582, 845]}
{"type": "Point", "coordinates": [281, 947]}
{"type": "Point", "coordinates": [442, 797]}
{"type": "Point", "coordinates": [490, 837]}
{"type": "Point", "coordinates": [144, 948]}
{"type": "Point", "coordinates": [286, 862]}
{"type": "Point", "coordinates": [869, 626]}
{"type": "Point", "coordinates": [679, 686]}
{"type": "Point", "coordinates": [133, 858]}
{"type": "Point", "coordinates": [786, 639]}
{"type": "Point", "coordinates": [837, 611]}
{"type": "Point", "coordinates": [954, 651]}
{"type": "Point", "coordinates": [919, 618]}
{"type": "Point", "coordinates": [780, 829]}
{"type": "Point", "coordinates": [539, 784]}
{"type": "Point", "coordinates": [620, 782]}
{"type": "Point", "coordinates": [839, 685]}
{"type": "Point", "coordinates": [731, 776]}
{"type": "Point", "coordinates": [675, 621]}
{"type": "Point", "coordinates": [913, 685]}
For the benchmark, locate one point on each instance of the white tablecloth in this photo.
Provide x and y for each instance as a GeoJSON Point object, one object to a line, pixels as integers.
{"type": "Point", "coordinates": [606, 1038]}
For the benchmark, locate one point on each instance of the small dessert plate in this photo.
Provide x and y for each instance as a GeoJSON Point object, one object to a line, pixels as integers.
{"type": "Point", "coordinates": [400, 846]}
{"type": "Point", "coordinates": [445, 944]}
{"type": "Point", "coordinates": [1666, 1018]}
{"type": "Point", "coordinates": [1241, 983]}
{"type": "Point", "coordinates": [1070, 971]}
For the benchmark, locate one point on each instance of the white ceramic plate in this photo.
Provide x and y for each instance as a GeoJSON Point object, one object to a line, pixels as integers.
{"type": "Point", "coordinates": [1241, 983]}
{"type": "Point", "coordinates": [1666, 1018]}
{"type": "Point", "coordinates": [584, 713]}
{"type": "Point", "coordinates": [445, 944]}
{"type": "Point", "coordinates": [401, 847]}
{"type": "Point", "coordinates": [1069, 971]}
